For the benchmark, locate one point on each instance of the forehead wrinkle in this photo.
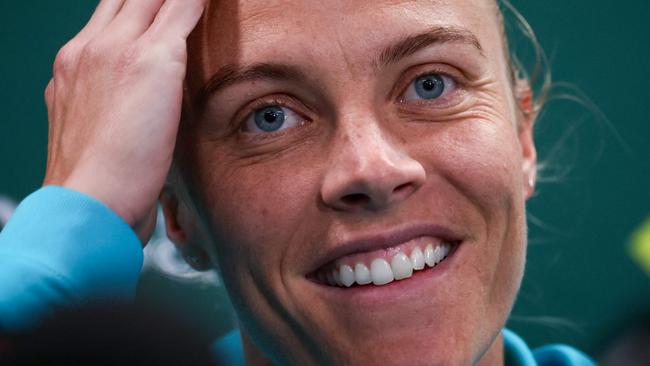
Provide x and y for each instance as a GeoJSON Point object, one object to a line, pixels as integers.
{"type": "Point", "coordinates": [251, 36]}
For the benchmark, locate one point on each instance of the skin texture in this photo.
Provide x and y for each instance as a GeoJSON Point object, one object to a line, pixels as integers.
{"type": "Point", "coordinates": [359, 158]}
{"type": "Point", "coordinates": [269, 206]}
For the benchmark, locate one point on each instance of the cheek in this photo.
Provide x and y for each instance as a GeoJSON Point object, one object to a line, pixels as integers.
{"type": "Point", "coordinates": [478, 165]}
{"type": "Point", "coordinates": [260, 212]}
{"type": "Point", "coordinates": [479, 158]}
{"type": "Point", "coordinates": [257, 210]}
{"type": "Point", "coordinates": [483, 162]}
{"type": "Point", "coordinates": [486, 165]}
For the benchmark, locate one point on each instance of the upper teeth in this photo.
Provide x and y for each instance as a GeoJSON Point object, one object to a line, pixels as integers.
{"type": "Point", "coordinates": [381, 271]}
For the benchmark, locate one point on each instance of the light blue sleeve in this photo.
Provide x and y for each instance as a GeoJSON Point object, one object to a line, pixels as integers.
{"type": "Point", "coordinates": [517, 353]}
{"type": "Point", "coordinates": [560, 354]}
{"type": "Point", "coordinates": [63, 248]}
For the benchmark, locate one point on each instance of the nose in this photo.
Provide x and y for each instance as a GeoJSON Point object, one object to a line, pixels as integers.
{"type": "Point", "coordinates": [368, 172]}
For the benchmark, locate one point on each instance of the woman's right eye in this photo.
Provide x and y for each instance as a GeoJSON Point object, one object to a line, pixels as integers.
{"type": "Point", "coordinates": [271, 118]}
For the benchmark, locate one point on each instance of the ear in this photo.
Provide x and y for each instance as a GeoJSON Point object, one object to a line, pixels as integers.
{"type": "Point", "coordinates": [527, 115]}
{"type": "Point", "coordinates": [181, 227]}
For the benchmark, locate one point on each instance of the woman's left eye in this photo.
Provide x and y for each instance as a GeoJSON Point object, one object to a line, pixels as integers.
{"type": "Point", "coordinates": [429, 87]}
{"type": "Point", "coordinates": [272, 119]}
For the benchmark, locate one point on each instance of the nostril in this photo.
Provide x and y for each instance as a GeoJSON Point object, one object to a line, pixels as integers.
{"type": "Point", "coordinates": [402, 188]}
{"type": "Point", "coordinates": [356, 199]}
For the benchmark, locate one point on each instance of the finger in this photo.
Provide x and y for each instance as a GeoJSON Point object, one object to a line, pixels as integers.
{"type": "Point", "coordinates": [134, 19]}
{"type": "Point", "coordinates": [177, 18]}
{"type": "Point", "coordinates": [103, 15]}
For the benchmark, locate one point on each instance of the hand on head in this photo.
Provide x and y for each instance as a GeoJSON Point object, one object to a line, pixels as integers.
{"type": "Point", "coordinates": [114, 104]}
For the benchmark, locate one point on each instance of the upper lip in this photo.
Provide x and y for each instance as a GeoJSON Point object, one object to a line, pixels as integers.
{"type": "Point", "coordinates": [367, 242]}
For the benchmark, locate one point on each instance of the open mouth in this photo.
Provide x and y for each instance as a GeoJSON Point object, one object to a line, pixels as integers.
{"type": "Point", "coordinates": [381, 267]}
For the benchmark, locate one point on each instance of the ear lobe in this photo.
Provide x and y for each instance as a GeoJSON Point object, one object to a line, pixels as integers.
{"type": "Point", "coordinates": [530, 177]}
{"type": "Point", "coordinates": [181, 231]}
{"type": "Point", "coordinates": [529, 158]}
{"type": "Point", "coordinates": [169, 203]}
{"type": "Point", "coordinates": [527, 115]}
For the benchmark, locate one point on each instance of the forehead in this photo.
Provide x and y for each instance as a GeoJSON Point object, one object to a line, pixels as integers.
{"type": "Point", "coordinates": [320, 32]}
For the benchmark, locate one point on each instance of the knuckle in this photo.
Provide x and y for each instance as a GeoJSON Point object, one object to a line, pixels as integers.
{"type": "Point", "coordinates": [108, 56]}
{"type": "Point", "coordinates": [66, 57]}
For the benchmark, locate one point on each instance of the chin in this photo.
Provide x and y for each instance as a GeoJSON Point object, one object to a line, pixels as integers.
{"type": "Point", "coordinates": [441, 315]}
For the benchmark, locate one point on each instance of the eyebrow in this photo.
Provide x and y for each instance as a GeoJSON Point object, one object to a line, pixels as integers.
{"type": "Point", "coordinates": [416, 42]}
{"type": "Point", "coordinates": [232, 74]}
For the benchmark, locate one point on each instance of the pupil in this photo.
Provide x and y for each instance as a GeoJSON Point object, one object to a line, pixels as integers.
{"type": "Point", "coordinates": [270, 116]}
{"type": "Point", "coordinates": [429, 84]}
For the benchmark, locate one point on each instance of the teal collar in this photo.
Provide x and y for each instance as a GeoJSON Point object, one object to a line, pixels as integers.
{"type": "Point", "coordinates": [516, 351]}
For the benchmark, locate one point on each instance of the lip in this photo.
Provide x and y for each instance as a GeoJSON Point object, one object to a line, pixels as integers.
{"type": "Point", "coordinates": [385, 239]}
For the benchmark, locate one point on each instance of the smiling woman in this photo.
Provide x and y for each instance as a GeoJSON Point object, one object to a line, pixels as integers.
{"type": "Point", "coordinates": [356, 171]}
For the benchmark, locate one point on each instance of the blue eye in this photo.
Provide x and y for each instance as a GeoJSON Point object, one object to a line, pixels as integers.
{"type": "Point", "coordinates": [429, 87]}
{"type": "Point", "coordinates": [271, 119]}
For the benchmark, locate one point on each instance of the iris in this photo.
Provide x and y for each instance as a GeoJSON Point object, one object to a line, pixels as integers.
{"type": "Point", "coordinates": [270, 119]}
{"type": "Point", "coordinates": [429, 86]}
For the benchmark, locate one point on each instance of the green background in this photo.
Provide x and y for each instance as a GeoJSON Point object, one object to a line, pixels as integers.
{"type": "Point", "coordinates": [581, 286]}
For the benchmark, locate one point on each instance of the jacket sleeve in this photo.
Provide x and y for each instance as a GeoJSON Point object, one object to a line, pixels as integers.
{"type": "Point", "coordinates": [63, 248]}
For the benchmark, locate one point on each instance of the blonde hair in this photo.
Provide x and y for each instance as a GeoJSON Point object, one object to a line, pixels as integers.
{"type": "Point", "coordinates": [534, 75]}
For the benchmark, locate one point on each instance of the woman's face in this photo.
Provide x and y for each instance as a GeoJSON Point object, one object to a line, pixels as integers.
{"type": "Point", "coordinates": [344, 133]}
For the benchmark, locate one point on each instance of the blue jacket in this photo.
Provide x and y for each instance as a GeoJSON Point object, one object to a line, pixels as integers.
{"type": "Point", "coordinates": [62, 247]}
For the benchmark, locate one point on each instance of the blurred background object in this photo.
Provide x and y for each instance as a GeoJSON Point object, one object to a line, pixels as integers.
{"type": "Point", "coordinates": [583, 286]}
{"type": "Point", "coordinates": [161, 256]}
{"type": "Point", "coordinates": [7, 207]}
{"type": "Point", "coordinates": [631, 347]}
{"type": "Point", "coordinates": [640, 246]}
{"type": "Point", "coordinates": [169, 283]}
{"type": "Point", "coordinates": [109, 334]}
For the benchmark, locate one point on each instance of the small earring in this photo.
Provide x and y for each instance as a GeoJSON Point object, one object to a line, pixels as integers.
{"type": "Point", "coordinates": [531, 182]}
